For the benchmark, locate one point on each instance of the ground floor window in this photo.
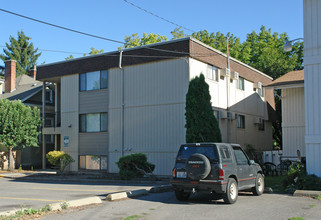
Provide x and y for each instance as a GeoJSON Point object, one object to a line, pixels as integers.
{"type": "Point", "coordinates": [240, 121]}
{"type": "Point", "coordinates": [93, 162]}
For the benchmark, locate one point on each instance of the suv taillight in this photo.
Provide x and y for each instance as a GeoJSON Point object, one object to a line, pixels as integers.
{"type": "Point", "coordinates": [221, 174]}
{"type": "Point", "coordinates": [174, 172]}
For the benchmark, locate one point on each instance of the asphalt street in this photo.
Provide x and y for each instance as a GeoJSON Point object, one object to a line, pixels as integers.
{"type": "Point", "coordinates": [165, 206]}
{"type": "Point", "coordinates": [16, 194]}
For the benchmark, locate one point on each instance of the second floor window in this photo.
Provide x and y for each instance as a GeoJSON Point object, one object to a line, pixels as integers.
{"type": "Point", "coordinates": [94, 122]}
{"type": "Point", "coordinates": [93, 80]}
{"type": "Point", "coordinates": [240, 83]}
{"type": "Point", "coordinates": [212, 73]}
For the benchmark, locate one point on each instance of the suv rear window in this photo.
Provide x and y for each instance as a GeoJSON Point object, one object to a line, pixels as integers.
{"type": "Point", "coordinates": [186, 151]}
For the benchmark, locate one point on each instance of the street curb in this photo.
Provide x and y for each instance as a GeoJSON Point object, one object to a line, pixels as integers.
{"type": "Point", "coordinates": [87, 180]}
{"type": "Point", "coordinates": [76, 203]}
{"type": "Point", "coordinates": [60, 205]}
{"type": "Point", "coordinates": [306, 193]}
{"type": "Point", "coordinates": [125, 195]}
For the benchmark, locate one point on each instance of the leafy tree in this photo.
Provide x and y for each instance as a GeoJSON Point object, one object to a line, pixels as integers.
{"type": "Point", "coordinates": [267, 53]}
{"type": "Point", "coordinates": [70, 57]}
{"type": "Point", "coordinates": [22, 51]}
{"type": "Point", "coordinates": [178, 33]}
{"type": "Point", "coordinates": [18, 126]}
{"type": "Point", "coordinates": [201, 124]}
{"type": "Point", "coordinates": [134, 40]}
{"type": "Point", "coordinates": [92, 52]}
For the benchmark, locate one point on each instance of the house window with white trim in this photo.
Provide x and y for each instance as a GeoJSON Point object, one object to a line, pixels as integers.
{"type": "Point", "coordinates": [212, 73]}
{"type": "Point", "coordinates": [240, 83]}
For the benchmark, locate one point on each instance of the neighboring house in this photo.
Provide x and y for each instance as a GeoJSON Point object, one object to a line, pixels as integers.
{"type": "Point", "coordinates": [28, 91]}
{"type": "Point", "coordinates": [120, 103]}
{"type": "Point", "coordinates": [293, 122]}
{"type": "Point", "coordinates": [312, 83]}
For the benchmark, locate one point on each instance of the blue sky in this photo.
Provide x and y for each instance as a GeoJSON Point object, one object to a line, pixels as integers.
{"type": "Point", "coordinates": [115, 19]}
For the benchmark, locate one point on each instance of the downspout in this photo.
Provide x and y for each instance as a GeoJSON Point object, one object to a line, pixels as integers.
{"type": "Point", "coordinates": [122, 104]}
{"type": "Point", "coordinates": [228, 91]}
{"type": "Point", "coordinates": [43, 125]}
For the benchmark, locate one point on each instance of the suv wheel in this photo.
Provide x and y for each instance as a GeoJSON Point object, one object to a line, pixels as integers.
{"type": "Point", "coordinates": [181, 195]}
{"type": "Point", "coordinates": [259, 185]}
{"type": "Point", "coordinates": [231, 194]}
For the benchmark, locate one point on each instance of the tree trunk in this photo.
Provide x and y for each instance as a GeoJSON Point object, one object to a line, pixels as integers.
{"type": "Point", "coordinates": [10, 160]}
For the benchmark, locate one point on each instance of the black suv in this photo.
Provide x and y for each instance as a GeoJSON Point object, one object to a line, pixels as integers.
{"type": "Point", "coordinates": [218, 168]}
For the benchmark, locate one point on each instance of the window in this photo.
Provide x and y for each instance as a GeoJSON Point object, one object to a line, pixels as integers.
{"type": "Point", "coordinates": [240, 156]}
{"type": "Point", "coordinates": [95, 122]}
{"type": "Point", "coordinates": [216, 115]}
{"type": "Point", "coordinates": [186, 151]}
{"type": "Point", "coordinates": [93, 80]}
{"type": "Point", "coordinates": [240, 83]}
{"type": "Point", "coordinates": [90, 162]}
{"type": "Point", "coordinates": [240, 121]}
{"type": "Point", "coordinates": [225, 153]}
{"type": "Point", "coordinates": [212, 73]}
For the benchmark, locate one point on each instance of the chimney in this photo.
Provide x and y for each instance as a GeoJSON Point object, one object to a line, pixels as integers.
{"type": "Point", "coordinates": [10, 75]}
{"type": "Point", "coordinates": [33, 72]}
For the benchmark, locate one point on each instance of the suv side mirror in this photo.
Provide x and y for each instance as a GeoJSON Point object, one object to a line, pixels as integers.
{"type": "Point", "coordinates": [252, 162]}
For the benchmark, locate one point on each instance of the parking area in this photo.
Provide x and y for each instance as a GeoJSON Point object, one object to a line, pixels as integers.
{"type": "Point", "coordinates": [16, 193]}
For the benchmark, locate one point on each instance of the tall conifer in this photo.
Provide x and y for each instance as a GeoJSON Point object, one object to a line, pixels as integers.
{"type": "Point", "coordinates": [201, 125]}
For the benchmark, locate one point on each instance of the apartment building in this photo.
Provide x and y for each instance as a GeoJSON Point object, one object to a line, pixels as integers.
{"type": "Point", "coordinates": [133, 101]}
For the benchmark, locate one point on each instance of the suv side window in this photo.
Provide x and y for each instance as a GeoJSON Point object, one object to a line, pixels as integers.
{"type": "Point", "coordinates": [240, 156]}
{"type": "Point", "coordinates": [225, 154]}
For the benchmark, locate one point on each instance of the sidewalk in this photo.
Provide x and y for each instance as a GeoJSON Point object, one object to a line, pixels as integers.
{"type": "Point", "coordinates": [92, 177]}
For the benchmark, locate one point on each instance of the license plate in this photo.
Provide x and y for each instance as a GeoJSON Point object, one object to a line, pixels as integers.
{"type": "Point", "coordinates": [181, 174]}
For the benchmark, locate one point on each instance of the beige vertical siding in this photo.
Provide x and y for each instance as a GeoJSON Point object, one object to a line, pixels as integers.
{"type": "Point", "coordinates": [69, 116]}
{"type": "Point", "coordinates": [154, 107]}
{"type": "Point", "coordinates": [293, 121]}
{"type": "Point", "coordinates": [93, 101]}
{"type": "Point", "coordinates": [95, 143]}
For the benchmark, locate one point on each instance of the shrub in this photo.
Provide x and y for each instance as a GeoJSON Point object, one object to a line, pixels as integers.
{"type": "Point", "coordinates": [59, 159]}
{"type": "Point", "coordinates": [134, 165]}
{"type": "Point", "coordinates": [297, 178]}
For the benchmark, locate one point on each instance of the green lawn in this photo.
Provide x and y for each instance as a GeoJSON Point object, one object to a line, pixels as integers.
{"type": "Point", "coordinates": [275, 182]}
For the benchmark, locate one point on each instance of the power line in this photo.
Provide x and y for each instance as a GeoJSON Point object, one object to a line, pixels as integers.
{"type": "Point", "coordinates": [56, 51]}
{"type": "Point", "coordinates": [64, 28]}
{"type": "Point", "coordinates": [164, 19]}
{"type": "Point", "coordinates": [95, 36]}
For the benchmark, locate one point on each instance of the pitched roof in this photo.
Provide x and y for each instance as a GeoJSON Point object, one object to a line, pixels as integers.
{"type": "Point", "coordinates": [291, 78]}
{"type": "Point", "coordinates": [26, 86]}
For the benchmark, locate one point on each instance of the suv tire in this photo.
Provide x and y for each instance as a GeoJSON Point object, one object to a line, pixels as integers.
{"type": "Point", "coordinates": [181, 195]}
{"type": "Point", "coordinates": [231, 194]}
{"type": "Point", "coordinates": [198, 167]}
{"type": "Point", "coordinates": [259, 185]}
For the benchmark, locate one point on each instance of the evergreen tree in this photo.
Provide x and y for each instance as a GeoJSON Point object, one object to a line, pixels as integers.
{"type": "Point", "coordinates": [22, 51]}
{"type": "Point", "coordinates": [201, 124]}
